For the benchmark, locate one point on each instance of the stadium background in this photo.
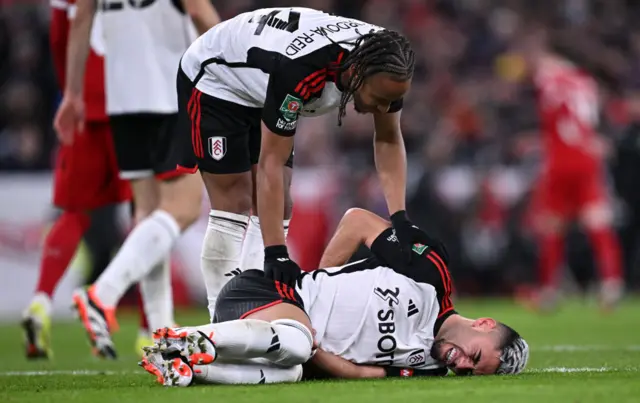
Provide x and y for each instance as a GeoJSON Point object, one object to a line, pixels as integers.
{"type": "Point", "coordinates": [469, 124]}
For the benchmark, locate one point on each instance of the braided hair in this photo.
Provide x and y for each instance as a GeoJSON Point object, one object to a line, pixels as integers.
{"type": "Point", "coordinates": [383, 51]}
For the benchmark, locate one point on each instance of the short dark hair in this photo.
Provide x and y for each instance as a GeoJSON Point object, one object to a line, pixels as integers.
{"type": "Point", "coordinates": [514, 351]}
{"type": "Point", "coordinates": [382, 51]}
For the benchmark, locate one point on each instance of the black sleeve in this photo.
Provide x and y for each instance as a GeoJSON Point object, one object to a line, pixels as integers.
{"type": "Point", "coordinates": [429, 264]}
{"type": "Point", "coordinates": [289, 87]}
{"type": "Point", "coordinates": [396, 106]}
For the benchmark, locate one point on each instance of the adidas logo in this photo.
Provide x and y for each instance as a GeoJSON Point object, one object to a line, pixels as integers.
{"type": "Point", "coordinates": [275, 342]}
{"type": "Point", "coordinates": [283, 259]}
{"type": "Point", "coordinates": [262, 380]}
{"type": "Point", "coordinates": [413, 309]}
{"type": "Point", "coordinates": [233, 273]}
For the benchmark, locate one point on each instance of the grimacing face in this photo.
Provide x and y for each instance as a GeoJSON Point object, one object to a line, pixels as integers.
{"type": "Point", "coordinates": [470, 350]}
{"type": "Point", "coordinates": [377, 92]}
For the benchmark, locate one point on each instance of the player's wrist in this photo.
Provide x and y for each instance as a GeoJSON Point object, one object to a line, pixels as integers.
{"type": "Point", "coordinates": [275, 251]}
{"type": "Point", "coordinates": [399, 216]}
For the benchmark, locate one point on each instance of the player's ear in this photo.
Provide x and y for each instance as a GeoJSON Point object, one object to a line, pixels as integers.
{"type": "Point", "coordinates": [484, 324]}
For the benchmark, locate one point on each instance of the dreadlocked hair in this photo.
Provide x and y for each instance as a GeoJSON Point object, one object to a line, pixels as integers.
{"type": "Point", "coordinates": [383, 51]}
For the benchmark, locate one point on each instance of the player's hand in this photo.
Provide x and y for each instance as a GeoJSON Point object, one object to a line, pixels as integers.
{"type": "Point", "coordinates": [407, 233]}
{"type": "Point", "coordinates": [279, 267]}
{"type": "Point", "coordinates": [69, 118]}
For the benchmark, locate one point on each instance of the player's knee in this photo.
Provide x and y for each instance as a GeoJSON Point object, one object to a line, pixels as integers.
{"type": "Point", "coordinates": [293, 342]}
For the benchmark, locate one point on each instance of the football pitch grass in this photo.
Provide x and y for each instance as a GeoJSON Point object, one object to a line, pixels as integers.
{"type": "Point", "coordinates": [577, 355]}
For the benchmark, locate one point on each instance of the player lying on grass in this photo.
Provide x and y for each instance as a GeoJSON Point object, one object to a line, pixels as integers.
{"type": "Point", "coordinates": [372, 318]}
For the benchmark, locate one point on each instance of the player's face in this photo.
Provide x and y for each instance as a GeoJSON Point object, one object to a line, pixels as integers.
{"type": "Point", "coordinates": [470, 350]}
{"type": "Point", "coordinates": [377, 92]}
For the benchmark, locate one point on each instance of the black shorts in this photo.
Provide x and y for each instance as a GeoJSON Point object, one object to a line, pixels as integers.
{"type": "Point", "coordinates": [143, 144]}
{"type": "Point", "coordinates": [250, 292]}
{"type": "Point", "coordinates": [217, 136]}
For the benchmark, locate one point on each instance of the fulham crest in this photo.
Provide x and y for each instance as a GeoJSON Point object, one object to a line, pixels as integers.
{"type": "Point", "coordinates": [217, 147]}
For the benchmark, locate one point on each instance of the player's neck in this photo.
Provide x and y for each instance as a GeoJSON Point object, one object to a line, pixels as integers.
{"type": "Point", "coordinates": [450, 324]}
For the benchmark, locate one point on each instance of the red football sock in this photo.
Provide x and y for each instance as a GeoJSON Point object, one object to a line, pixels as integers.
{"type": "Point", "coordinates": [606, 249]}
{"type": "Point", "coordinates": [551, 255]}
{"type": "Point", "coordinates": [59, 247]}
{"type": "Point", "coordinates": [143, 317]}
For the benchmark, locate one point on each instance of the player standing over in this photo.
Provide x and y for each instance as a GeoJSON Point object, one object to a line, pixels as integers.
{"type": "Point", "coordinates": [144, 42]}
{"type": "Point", "coordinates": [85, 178]}
{"type": "Point", "coordinates": [243, 86]}
{"type": "Point", "coordinates": [572, 184]}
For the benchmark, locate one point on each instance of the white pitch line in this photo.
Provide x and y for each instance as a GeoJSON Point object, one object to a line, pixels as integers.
{"type": "Point", "coordinates": [75, 372]}
{"type": "Point", "coordinates": [568, 348]}
{"type": "Point", "coordinates": [558, 370]}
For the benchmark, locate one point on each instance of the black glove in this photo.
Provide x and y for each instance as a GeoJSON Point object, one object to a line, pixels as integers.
{"type": "Point", "coordinates": [279, 267]}
{"type": "Point", "coordinates": [407, 233]}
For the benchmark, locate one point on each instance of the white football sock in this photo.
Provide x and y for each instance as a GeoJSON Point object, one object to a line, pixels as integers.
{"type": "Point", "coordinates": [221, 247]}
{"type": "Point", "coordinates": [284, 342]}
{"type": "Point", "coordinates": [157, 296]}
{"type": "Point", "coordinates": [146, 246]}
{"type": "Point", "coordinates": [252, 256]}
{"type": "Point", "coordinates": [231, 374]}
{"type": "Point", "coordinates": [44, 300]}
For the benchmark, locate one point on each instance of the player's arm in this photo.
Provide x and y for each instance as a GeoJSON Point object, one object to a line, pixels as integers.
{"type": "Point", "coordinates": [390, 159]}
{"type": "Point", "coordinates": [58, 38]}
{"type": "Point", "coordinates": [279, 120]}
{"type": "Point", "coordinates": [274, 152]}
{"type": "Point", "coordinates": [79, 46]}
{"type": "Point", "coordinates": [338, 367]}
{"type": "Point", "coordinates": [356, 227]}
{"type": "Point", "coordinates": [69, 118]}
{"type": "Point", "coordinates": [203, 14]}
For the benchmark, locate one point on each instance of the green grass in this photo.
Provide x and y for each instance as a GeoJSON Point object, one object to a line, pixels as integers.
{"type": "Point", "coordinates": [605, 349]}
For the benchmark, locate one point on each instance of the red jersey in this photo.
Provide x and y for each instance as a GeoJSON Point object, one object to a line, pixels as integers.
{"type": "Point", "coordinates": [94, 95]}
{"type": "Point", "coordinates": [568, 107]}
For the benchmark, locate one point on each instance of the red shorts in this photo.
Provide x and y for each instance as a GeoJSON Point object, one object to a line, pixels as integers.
{"type": "Point", "coordinates": [567, 193]}
{"type": "Point", "coordinates": [86, 172]}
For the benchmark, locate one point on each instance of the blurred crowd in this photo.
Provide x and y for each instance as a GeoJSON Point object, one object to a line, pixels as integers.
{"type": "Point", "coordinates": [470, 121]}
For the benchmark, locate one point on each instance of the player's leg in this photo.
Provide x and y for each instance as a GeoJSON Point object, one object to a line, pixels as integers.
{"type": "Point", "coordinates": [83, 182]}
{"type": "Point", "coordinates": [132, 135]}
{"type": "Point", "coordinates": [552, 207]}
{"type": "Point", "coordinates": [221, 373]}
{"type": "Point", "coordinates": [596, 216]}
{"type": "Point", "coordinates": [255, 318]}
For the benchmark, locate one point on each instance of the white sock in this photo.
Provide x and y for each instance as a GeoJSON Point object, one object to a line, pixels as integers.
{"type": "Point", "coordinates": [284, 342]}
{"type": "Point", "coordinates": [146, 246]}
{"type": "Point", "coordinates": [230, 373]}
{"type": "Point", "coordinates": [252, 256]}
{"type": "Point", "coordinates": [44, 300]}
{"type": "Point", "coordinates": [157, 296]}
{"type": "Point", "coordinates": [221, 247]}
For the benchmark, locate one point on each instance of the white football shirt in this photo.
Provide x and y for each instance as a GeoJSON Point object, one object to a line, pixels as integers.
{"type": "Point", "coordinates": [144, 40]}
{"type": "Point", "coordinates": [283, 60]}
{"type": "Point", "coordinates": [369, 313]}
